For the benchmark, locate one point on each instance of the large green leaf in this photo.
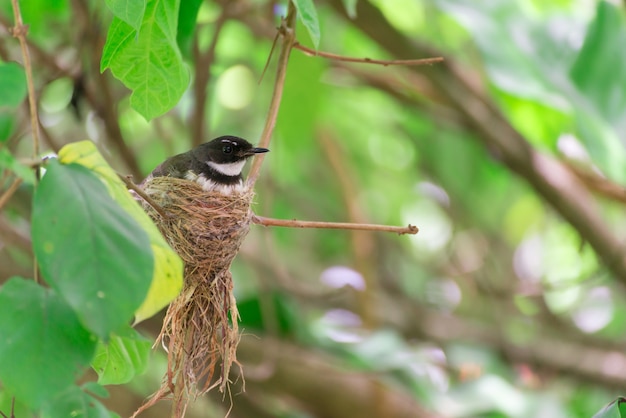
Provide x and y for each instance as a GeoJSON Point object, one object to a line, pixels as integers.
{"type": "Point", "coordinates": [187, 16]}
{"type": "Point", "coordinates": [44, 347]}
{"type": "Point", "coordinates": [122, 358]}
{"type": "Point", "coordinates": [308, 16]}
{"type": "Point", "coordinates": [148, 61]}
{"type": "Point", "coordinates": [167, 279]}
{"type": "Point", "coordinates": [130, 12]}
{"type": "Point", "coordinates": [89, 249]}
{"type": "Point", "coordinates": [12, 84]}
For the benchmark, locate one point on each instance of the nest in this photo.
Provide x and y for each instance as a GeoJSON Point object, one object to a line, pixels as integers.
{"type": "Point", "coordinates": [200, 329]}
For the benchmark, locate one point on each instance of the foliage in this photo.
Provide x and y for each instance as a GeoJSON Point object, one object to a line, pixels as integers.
{"type": "Point", "coordinates": [509, 157]}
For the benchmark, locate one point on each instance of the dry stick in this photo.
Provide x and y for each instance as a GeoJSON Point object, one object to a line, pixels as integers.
{"type": "Point", "coordinates": [314, 53]}
{"type": "Point", "coordinates": [19, 32]}
{"type": "Point", "coordinates": [132, 186]}
{"type": "Point", "coordinates": [293, 223]}
{"type": "Point", "coordinates": [288, 32]}
{"type": "Point", "coordinates": [7, 195]}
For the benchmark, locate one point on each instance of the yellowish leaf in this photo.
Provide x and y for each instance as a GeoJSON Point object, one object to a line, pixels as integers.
{"type": "Point", "coordinates": [167, 279]}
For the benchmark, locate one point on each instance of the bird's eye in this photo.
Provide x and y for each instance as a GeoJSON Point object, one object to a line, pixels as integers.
{"type": "Point", "coordinates": [227, 149]}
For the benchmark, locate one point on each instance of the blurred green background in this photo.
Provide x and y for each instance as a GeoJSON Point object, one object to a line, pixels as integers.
{"type": "Point", "coordinates": [509, 157]}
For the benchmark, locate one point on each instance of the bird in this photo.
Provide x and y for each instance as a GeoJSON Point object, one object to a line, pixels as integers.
{"type": "Point", "coordinates": [215, 165]}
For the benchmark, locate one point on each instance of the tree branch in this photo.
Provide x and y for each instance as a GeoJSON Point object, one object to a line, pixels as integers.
{"type": "Point", "coordinates": [4, 198]}
{"type": "Point", "coordinates": [19, 32]}
{"type": "Point", "coordinates": [132, 186]}
{"type": "Point", "coordinates": [329, 55]}
{"type": "Point", "coordinates": [293, 223]}
{"type": "Point", "coordinates": [288, 32]}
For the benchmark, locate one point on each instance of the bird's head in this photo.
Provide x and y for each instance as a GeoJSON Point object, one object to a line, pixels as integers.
{"type": "Point", "coordinates": [227, 154]}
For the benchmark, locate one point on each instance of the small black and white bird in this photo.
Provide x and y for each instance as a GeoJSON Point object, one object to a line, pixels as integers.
{"type": "Point", "coordinates": [216, 165]}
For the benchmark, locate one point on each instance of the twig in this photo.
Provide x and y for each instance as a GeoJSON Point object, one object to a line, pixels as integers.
{"type": "Point", "coordinates": [293, 223]}
{"type": "Point", "coordinates": [132, 186]}
{"type": "Point", "coordinates": [288, 32]}
{"type": "Point", "coordinates": [269, 57]}
{"type": "Point", "coordinates": [19, 31]}
{"type": "Point", "coordinates": [7, 195]}
{"type": "Point", "coordinates": [329, 55]}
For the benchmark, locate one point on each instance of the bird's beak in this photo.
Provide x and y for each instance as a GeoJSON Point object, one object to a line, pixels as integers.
{"type": "Point", "coordinates": [258, 151]}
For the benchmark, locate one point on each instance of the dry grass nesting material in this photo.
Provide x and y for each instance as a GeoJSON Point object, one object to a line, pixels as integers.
{"type": "Point", "coordinates": [200, 328]}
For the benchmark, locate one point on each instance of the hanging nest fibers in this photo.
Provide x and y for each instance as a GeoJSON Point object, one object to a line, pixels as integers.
{"type": "Point", "coordinates": [200, 329]}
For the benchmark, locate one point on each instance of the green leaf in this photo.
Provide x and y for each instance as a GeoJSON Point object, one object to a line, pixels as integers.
{"type": "Point", "coordinates": [74, 402]}
{"type": "Point", "coordinates": [187, 16]}
{"type": "Point", "coordinates": [7, 123]}
{"type": "Point", "coordinates": [89, 249]}
{"type": "Point", "coordinates": [130, 12]}
{"type": "Point", "coordinates": [350, 6]}
{"type": "Point", "coordinates": [43, 348]}
{"type": "Point", "coordinates": [167, 279]}
{"type": "Point", "coordinates": [600, 68]}
{"type": "Point", "coordinates": [8, 162]}
{"type": "Point", "coordinates": [616, 409]}
{"type": "Point", "coordinates": [12, 84]}
{"type": "Point", "coordinates": [308, 16]}
{"type": "Point", "coordinates": [148, 62]}
{"type": "Point", "coordinates": [122, 358]}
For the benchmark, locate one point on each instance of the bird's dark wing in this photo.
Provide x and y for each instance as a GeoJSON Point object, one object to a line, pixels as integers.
{"type": "Point", "coordinates": [176, 166]}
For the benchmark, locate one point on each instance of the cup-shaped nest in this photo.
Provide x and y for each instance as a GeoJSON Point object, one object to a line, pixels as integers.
{"type": "Point", "coordinates": [200, 328]}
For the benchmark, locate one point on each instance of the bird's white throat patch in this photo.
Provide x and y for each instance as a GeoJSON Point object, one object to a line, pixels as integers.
{"type": "Point", "coordinates": [230, 169]}
{"type": "Point", "coordinates": [211, 186]}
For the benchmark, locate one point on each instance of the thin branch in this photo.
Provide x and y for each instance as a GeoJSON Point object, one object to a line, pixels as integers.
{"type": "Point", "coordinates": [293, 223]}
{"type": "Point", "coordinates": [288, 32]}
{"type": "Point", "coordinates": [330, 55]}
{"type": "Point", "coordinates": [19, 31]}
{"type": "Point", "coordinates": [132, 186]}
{"type": "Point", "coordinates": [7, 195]}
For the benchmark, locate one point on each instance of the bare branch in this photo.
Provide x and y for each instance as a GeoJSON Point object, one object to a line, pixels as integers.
{"type": "Point", "coordinates": [414, 62]}
{"type": "Point", "coordinates": [132, 186]}
{"type": "Point", "coordinates": [9, 192]}
{"type": "Point", "coordinates": [293, 223]}
{"type": "Point", "coordinates": [288, 32]}
{"type": "Point", "coordinates": [19, 31]}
